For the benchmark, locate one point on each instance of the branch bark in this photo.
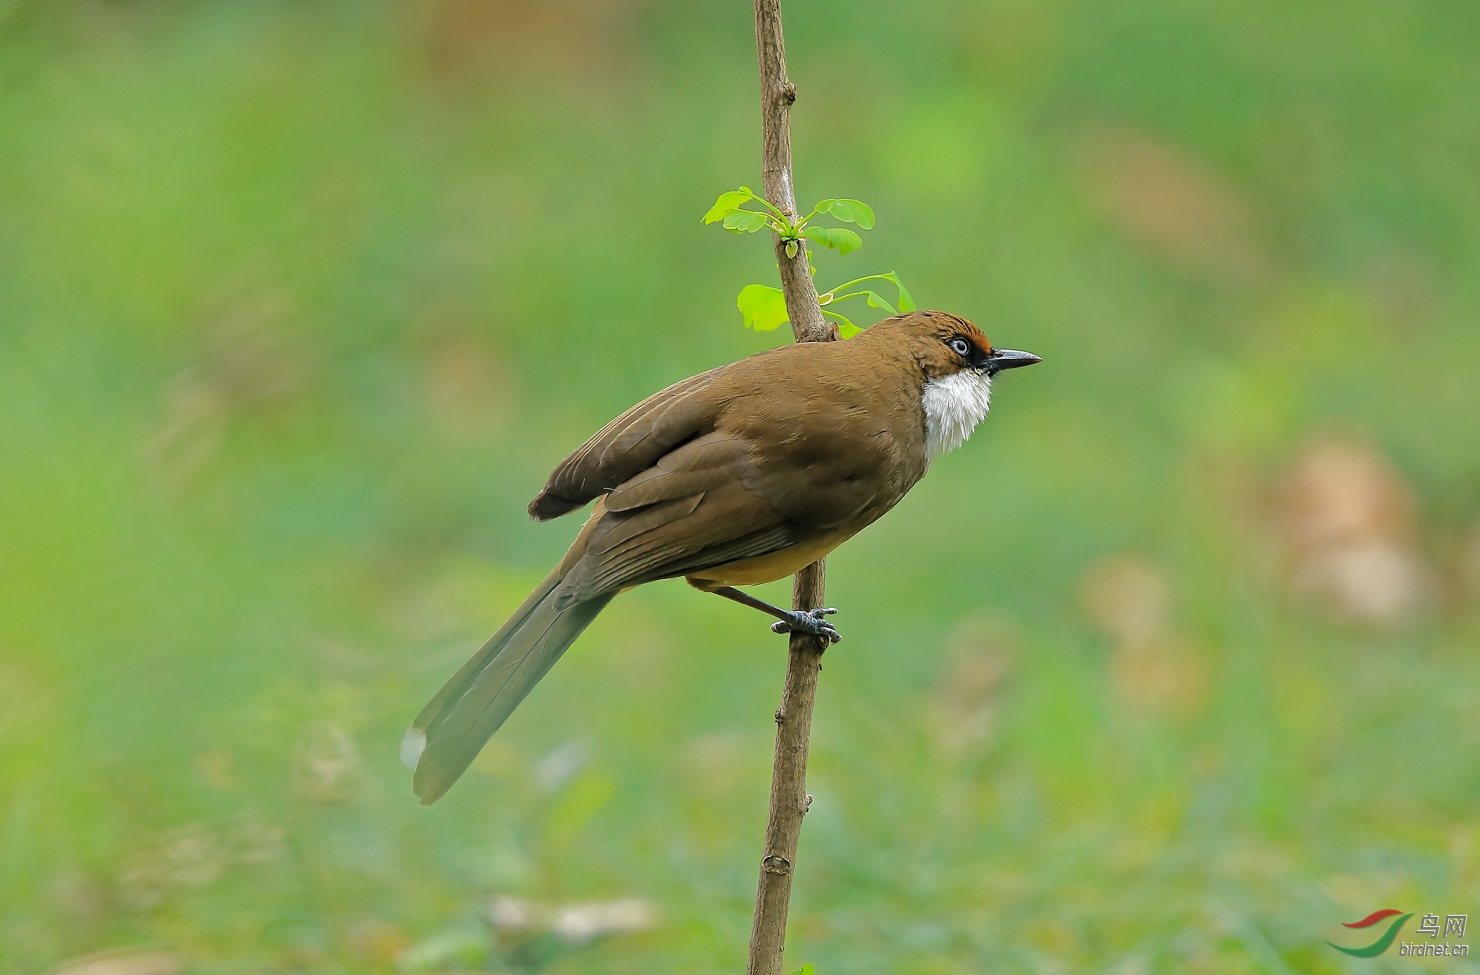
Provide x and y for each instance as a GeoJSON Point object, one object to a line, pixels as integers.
{"type": "Point", "coordinates": [789, 799]}
{"type": "Point", "coordinates": [777, 95]}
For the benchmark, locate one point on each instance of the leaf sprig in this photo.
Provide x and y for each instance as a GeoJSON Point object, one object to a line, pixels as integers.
{"type": "Point", "coordinates": [730, 210]}
{"type": "Point", "coordinates": [764, 307]}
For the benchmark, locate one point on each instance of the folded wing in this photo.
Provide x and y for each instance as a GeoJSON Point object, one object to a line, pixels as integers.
{"type": "Point", "coordinates": [692, 509]}
{"type": "Point", "coordinates": [628, 445]}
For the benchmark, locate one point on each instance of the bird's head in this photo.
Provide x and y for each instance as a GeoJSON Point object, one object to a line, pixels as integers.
{"type": "Point", "coordinates": [945, 344]}
{"type": "Point", "coordinates": [958, 364]}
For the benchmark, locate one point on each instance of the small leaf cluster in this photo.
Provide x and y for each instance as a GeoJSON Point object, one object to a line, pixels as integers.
{"type": "Point", "coordinates": [731, 212]}
{"type": "Point", "coordinates": [763, 307]}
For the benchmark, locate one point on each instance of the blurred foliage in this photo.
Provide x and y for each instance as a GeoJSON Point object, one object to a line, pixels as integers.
{"type": "Point", "coordinates": [1171, 669]}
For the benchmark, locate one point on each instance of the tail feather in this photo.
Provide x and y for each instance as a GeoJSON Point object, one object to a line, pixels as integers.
{"type": "Point", "coordinates": [450, 731]}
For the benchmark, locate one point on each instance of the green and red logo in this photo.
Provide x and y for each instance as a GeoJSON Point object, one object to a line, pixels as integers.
{"type": "Point", "coordinates": [1381, 944]}
{"type": "Point", "coordinates": [1428, 925]}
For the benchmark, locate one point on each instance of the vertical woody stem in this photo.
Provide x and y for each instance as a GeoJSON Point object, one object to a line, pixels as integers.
{"type": "Point", "coordinates": [777, 95]}
{"type": "Point", "coordinates": [789, 799]}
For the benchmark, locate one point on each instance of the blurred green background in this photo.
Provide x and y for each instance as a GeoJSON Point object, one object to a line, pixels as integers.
{"type": "Point", "coordinates": [1172, 668]}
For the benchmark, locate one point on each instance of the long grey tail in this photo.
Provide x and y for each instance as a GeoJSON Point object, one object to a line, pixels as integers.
{"type": "Point", "coordinates": [454, 726]}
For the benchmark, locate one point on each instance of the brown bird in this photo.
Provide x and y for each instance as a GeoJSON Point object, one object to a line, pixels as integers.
{"type": "Point", "coordinates": [738, 476]}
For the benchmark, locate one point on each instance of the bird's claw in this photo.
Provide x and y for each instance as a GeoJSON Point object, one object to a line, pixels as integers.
{"type": "Point", "coordinates": [810, 623]}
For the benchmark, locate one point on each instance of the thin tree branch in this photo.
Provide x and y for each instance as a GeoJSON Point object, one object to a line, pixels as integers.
{"type": "Point", "coordinates": [777, 95]}
{"type": "Point", "coordinates": [789, 799]}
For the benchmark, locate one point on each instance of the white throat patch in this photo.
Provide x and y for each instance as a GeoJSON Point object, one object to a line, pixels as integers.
{"type": "Point", "coordinates": [954, 405]}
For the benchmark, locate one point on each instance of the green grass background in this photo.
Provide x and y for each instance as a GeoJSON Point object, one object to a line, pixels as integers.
{"type": "Point", "coordinates": [300, 302]}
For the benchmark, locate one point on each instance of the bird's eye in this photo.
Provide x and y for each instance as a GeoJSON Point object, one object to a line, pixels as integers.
{"type": "Point", "coordinates": [960, 346]}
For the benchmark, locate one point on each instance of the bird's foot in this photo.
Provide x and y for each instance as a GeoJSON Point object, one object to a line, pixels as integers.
{"type": "Point", "coordinates": [811, 623]}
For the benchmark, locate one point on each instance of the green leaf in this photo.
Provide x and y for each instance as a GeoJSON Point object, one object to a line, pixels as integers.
{"type": "Point", "coordinates": [791, 248]}
{"type": "Point", "coordinates": [846, 329]}
{"type": "Point", "coordinates": [875, 301]}
{"type": "Point", "coordinates": [804, 970]}
{"type": "Point", "coordinates": [906, 303]}
{"type": "Point", "coordinates": [732, 200]}
{"type": "Point", "coordinates": [763, 308]}
{"type": "Point", "coordinates": [745, 221]}
{"type": "Point", "coordinates": [838, 239]}
{"type": "Point", "coordinates": [852, 211]}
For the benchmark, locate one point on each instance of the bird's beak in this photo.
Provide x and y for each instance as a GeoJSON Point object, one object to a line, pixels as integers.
{"type": "Point", "coordinates": [1009, 359]}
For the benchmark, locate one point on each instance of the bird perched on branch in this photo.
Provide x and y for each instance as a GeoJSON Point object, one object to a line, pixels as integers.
{"type": "Point", "coordinates": [735, 477]}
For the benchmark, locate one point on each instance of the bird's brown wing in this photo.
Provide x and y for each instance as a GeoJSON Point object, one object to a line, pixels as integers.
{"type": "Point", "coordinates": [628, 445]}
{"type": "Point", "coordinates": [689, 511]}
